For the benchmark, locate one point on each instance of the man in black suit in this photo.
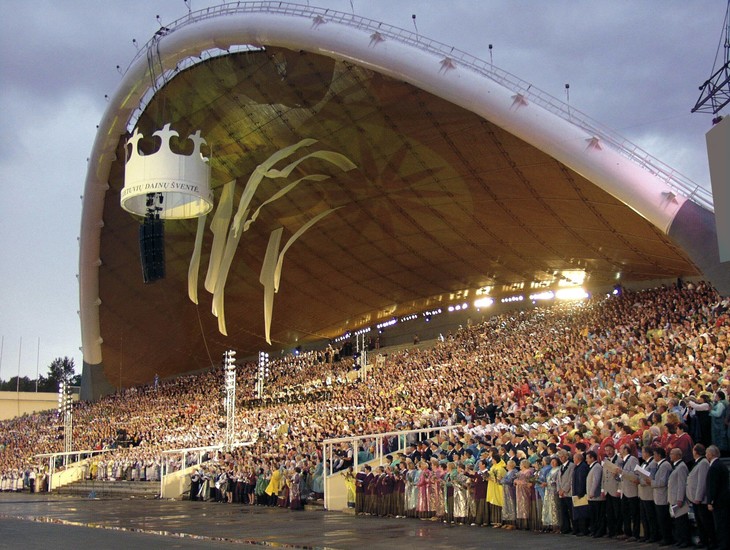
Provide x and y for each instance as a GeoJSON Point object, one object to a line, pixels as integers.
{"type": "Point", "coordinates": [581, 514]}
{"type": "Point", "coordinates": [718, 496]}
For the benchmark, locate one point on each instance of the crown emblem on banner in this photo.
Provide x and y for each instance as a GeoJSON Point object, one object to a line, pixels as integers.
{"type": "Point", "coordinates": [182, 181]}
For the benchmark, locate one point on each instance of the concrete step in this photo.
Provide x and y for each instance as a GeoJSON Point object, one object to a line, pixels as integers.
{"type": "Point", "coordinates": [112, 489]}
{"type": "Point", "coordinates": [314, 506]}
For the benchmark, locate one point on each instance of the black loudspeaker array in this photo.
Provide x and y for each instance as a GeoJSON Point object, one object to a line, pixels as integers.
{"type": "Point", "coordinates": [152, 249]}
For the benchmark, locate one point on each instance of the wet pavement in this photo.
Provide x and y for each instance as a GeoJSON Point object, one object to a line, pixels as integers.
{"type": "Point", "coordinates": [45, 521]}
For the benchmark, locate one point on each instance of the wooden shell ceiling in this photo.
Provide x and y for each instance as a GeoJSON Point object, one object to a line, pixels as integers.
{"type": "Point", "coordinates": [441, 201]}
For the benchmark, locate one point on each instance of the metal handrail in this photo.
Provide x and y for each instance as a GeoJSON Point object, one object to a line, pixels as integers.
{"type": "Point", "coordinates": [328, 454]}
{"type": "Point", "coordinates": [66, 455]}
{"type": "Point", "coordinates": [675, 180]}
{"type": "Point", "coordinates": [164, 472]}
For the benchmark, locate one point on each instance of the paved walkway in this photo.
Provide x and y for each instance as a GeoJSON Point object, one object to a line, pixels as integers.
{"type": "Point", "coordinates": [49, 521]}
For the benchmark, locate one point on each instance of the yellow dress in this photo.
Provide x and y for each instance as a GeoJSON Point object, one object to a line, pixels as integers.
{"type": "Point", "coordinates": [495, 494]}
{"type": "Point", "coordinates": [274, 485]}
{"type": "Point", "coordinates": [350, 484]}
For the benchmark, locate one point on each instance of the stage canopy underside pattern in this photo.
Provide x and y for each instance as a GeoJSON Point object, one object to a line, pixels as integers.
{"type": "Point", "coordinates": [441, 201]}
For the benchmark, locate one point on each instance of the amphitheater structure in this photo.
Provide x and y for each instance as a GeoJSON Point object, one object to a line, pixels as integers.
{"type": "Point", "coordinates": [423, 177]}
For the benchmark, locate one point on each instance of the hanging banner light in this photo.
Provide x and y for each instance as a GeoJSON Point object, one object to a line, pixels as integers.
{"type": "Point", "coordinates": [178, 184]}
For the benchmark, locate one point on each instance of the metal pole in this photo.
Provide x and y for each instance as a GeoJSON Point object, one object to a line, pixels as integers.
{"type": "Point", "coordinates": [326, 476]}
{"type": "Point", "coordinates": [17, 387]}
{"type": "Point", "coordinates": [51, 463]}
{"type": "Point", "coordinates": [2, 347]}
{"type": "Point", "coordinates": [37, 364]}
{"type": "Point", "coordinates": [355, 452]}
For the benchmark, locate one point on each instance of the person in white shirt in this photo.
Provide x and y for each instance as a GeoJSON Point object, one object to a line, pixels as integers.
{"type": "Point", "coordinates": [677, 498]}
{"type": "Point", "coordinates": [697, 495]}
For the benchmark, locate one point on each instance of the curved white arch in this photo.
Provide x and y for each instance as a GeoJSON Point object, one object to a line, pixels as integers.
{"type": "Point", "coordinates": [310, 30]}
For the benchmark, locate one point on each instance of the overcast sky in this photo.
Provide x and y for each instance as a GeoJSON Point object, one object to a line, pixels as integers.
{"type": "Point", "coordinates": [635, 66]}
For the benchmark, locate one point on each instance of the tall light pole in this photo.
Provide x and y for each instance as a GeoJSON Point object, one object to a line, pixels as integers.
{"type": "Point", "coordinates": [65, 411]}
{"type": "Point", "coordinates": [262, 373]}
{"type": "Point", "coordinates": [363, 360]}
{"type": "Point", "coordinates": [229, 366]}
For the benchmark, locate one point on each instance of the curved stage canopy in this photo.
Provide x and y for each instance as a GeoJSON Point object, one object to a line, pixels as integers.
{"type": "Point", "coordinates": [464, 178]}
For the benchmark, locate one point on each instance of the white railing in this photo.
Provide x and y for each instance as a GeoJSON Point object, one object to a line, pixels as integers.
{"type": "Point", "coordinates": [675, 180]}
{"type": "Point", "coordinates": [79, 457]}
{"type": "Point", "coordinates": [404, 438]}
{"type": "Point", "coordinates": [196, 452]}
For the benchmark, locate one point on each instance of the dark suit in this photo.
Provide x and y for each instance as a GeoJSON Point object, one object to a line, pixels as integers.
{"type": "Point", "coordinates": [581, 514]}
{"type": "Point", "coordinates": [718, 496]}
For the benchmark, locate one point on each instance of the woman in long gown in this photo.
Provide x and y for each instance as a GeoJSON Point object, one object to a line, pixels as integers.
{"type": "Point", "coordinates": [411, 489]}
{"type": "Point", "coordinates": [437, 490]}
{"type": "Point", "coordinates": [295, 496]}
{"type": "Point", "coordinates": [318, 480]}
{"type": "Point", "coordinates": [495, 494]}
{"type": "Point", "coordinates": [262, 482]}
{"type": "Point", "coordinates": [350, 486]}
{"type": "Point", "coordinates": [449, 478]}
{"type": "Point", "coordinates": [471, 503]}
{"type": "Point", "coordinates": [509, 513]}
{"type": "Point", "coordinates": [461, 495]}
{"type": "Point", "coordinates": [540, 488]}
{"type": "Point", "coordinates": [423, 509]}
{"type": "Point", "coordinates": [283, 497]}
{"type": "Point", "coordinates": [551, 502]}
{"type": "Point", "coordinates": [524, 496]}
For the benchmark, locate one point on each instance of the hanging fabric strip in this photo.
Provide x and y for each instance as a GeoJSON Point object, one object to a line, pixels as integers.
{"type": "Point", "coordinates": [258, 174]}
{"type": "Point", "coordinates": [219, 228]}
{"type": "Point", "coordinates": [235, 231]}
{"type": "Point", "coordinates": [194, 267]}
{"type": "Point", "coordinates": [341, 161]}
{"type": "Point", "coordinates": [266, 278]}
{"type": "Point", "coordinates": [220, 284]}
{"type": "Point", "coordinates": [238, 227]}
{"type": "Point", "coordinates": [292, 239]}
{"type": "Point", "coordinates": [279, 194]}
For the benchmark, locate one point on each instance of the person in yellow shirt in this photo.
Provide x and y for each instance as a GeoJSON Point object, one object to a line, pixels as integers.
{"type": "Point", "coordinates": [274, 485]}
{"type": "Point", "coordinates": [495, 497]}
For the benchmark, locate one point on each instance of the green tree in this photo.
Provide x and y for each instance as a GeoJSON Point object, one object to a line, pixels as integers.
{"type": "Point", "coordinates": [25, 384]}
{"type": "Point", "coordinates": [61, 369]}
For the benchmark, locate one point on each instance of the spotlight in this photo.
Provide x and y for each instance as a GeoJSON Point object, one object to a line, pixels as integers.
{"type": "Point", "coordinates": [576, 293]}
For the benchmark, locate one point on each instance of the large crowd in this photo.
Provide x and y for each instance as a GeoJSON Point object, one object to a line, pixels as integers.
{"type": "Point", "coordinates": [516, 398]}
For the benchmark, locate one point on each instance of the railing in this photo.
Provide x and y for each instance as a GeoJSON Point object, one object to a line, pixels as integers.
{"type": "Point", "coordinates": [197, 453]}
{"type": "Point", "coordinates": [79, 455]}
{"type": "Point", "coordinates": [675, 180]}
{"type": "Point", "coordinates": [404, 438]}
